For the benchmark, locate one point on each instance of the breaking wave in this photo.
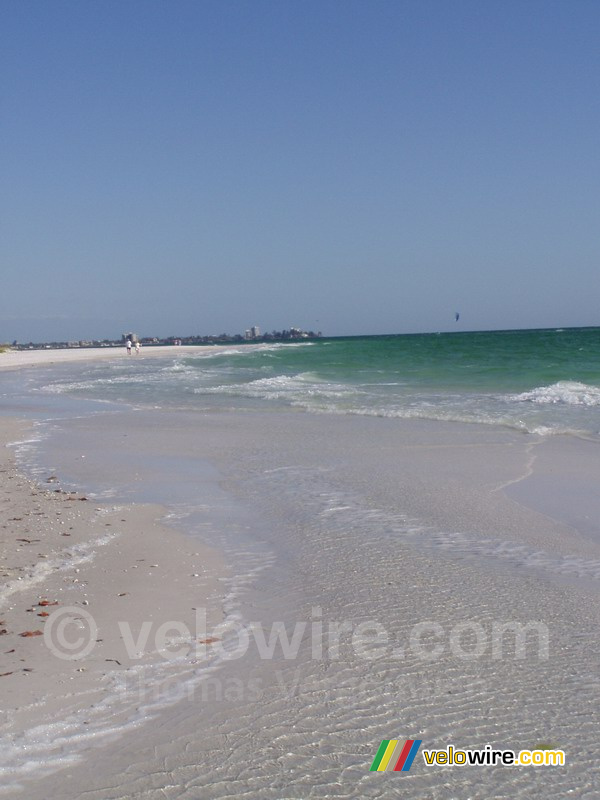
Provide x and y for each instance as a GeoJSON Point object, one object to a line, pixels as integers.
{"type": "Point", "coordinates": [571, 393]}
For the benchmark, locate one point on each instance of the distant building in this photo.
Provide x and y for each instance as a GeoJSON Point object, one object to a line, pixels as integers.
{"type": "Point", "coordinates": [252, 333]}
{"type": "Point", "coordinates": [298, 333]}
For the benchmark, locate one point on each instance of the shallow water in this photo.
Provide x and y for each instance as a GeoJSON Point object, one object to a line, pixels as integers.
{"type": "Point", "coordinates": [355, 533]}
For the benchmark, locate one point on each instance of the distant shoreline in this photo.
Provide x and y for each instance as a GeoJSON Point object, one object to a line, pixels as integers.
{"type": "Point", "coordinates": [14, 359]}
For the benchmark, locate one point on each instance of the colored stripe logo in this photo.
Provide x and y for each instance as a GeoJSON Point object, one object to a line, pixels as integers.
{"type": "Point", "coordinates": [395, 756]}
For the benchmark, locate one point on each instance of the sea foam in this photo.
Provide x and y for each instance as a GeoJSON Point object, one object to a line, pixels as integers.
{"type": "Point", "coordinates": [571, 393]}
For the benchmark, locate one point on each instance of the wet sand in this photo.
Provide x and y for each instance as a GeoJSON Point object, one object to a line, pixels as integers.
{"type": "Point", "coordinates": [374, 522]}
{"type": "Point", "coordinates": [78, 581]}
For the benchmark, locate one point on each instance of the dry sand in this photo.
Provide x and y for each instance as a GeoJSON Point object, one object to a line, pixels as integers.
{"type": "Point", "coordinates": [11, 359]}
{"type": "Point", "coordinates": [62, 556]}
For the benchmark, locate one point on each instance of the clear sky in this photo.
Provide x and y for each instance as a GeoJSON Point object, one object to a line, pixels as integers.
{"type": "Point", "coordinates": [354, 166]}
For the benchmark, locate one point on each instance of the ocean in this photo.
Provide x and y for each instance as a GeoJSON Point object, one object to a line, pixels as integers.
{"type": "Point", "coordinates": [393, 486]}
{"type": "Point", "coordinates": [536, 381]}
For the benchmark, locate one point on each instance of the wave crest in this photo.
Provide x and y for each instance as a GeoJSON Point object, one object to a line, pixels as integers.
{"type": "Point", "coordinates": [572, 393]}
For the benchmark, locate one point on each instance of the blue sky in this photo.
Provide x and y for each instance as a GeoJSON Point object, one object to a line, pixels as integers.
{"type": "Point", "coordinates": [357, 167]}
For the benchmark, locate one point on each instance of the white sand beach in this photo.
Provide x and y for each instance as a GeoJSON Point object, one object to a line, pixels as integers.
{"type": "Point", "coordinates": [78, 581]}
{"type": "Point", "coordinates": [403, 546]}
{"type": "Point", "coordinates": [362, 527]}
{"type": "Point", "coordinates": [12, 359]}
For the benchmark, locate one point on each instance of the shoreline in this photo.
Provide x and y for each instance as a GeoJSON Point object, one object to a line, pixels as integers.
{"type": "Point", "coordinates": [355, 515]}
{"type": "Point", "coordinates": [80, 580]}
{"type": "Point", "coordinates": [463, 556]}
{"type": "Point", "coordinates": [15, 359]}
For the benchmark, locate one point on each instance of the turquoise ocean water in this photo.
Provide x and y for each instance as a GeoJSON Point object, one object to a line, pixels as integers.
{"type": "Point", "coordinates": [538, 381]}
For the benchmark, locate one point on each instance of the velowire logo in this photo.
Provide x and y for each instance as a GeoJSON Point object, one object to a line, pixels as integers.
{"type": "Point", "coordinates": [394, 755]}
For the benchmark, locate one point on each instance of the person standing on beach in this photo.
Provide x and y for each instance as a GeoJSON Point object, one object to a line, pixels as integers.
{"type": "Point", "coordinates": [128, 346]}
{"type": "Point", "coordinates": [137, 348]}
